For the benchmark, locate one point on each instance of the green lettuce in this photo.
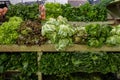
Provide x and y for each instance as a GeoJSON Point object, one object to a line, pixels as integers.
{"type": "Point", "coordinates": [59, 32]}
{"type": "Point", "coordinates": [65, 30]}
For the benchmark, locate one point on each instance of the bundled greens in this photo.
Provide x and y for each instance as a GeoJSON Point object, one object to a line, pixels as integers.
{"type": "Point", "coordinates": [53, 10]}
{"type": "Point", "coordinates": [59, 32]}
{"type": "Point", "coordinates": [65, 63]}
{"type": "Point", "coordinates": [114, 38]}
{"type": "Point", "coordinates": [97, 34]}
{"type": "Point", "coordinates": [93, 30]}
{"type": "Point", "coordinates": [80, 35]}
{"type": "Point", "coordinates": [24, 11]}
{"type": "Point", "coordinates": [86, 12]}
{"type": "Point", "coordinates": [8, 31]}
{"type": "Point", "coordinates": [26, 63]}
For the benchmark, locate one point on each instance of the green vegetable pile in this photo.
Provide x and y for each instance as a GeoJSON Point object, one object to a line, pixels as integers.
{"type": "Point", "coordinates": [53, 10]}
{"type": "Point", "coordinates": [61, 64]}
{"type": "Point", "coordinates": [24, 11]}
{"type": "Point", "coordinates": [80, 36]}
{"type": "Point", "coordinates": [8, 30]}
{"type": "Point", "coordinates": [26, 63]}
{"type": "Point", "coordinates": [97, 34]}
{"type": "Point", "coordinates": [114, 38]}
{"type": "Point", "coordinates": [93, 35]}
{"type": "Point", "coordinates": [86, 12]}
{"type": "Point", "coordinates": [66, 63]}
{"type": "Point", "coordinates": [59, 32]}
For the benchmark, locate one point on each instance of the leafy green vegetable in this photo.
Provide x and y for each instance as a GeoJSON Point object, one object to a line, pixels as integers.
{"type": "Point", "coordinates": [86, 12]}
{"type": "Point", "coordinates": [30, 33]}
{"type": "Point", "coordinates": [65, 31]}
{"type": "Point", "coordinates": [8, 30]}
{"type": "Point", "coordinates": [115, 30]}
{"type": "Point", "coordinates": [81, 31]}
{"type": "Point", "coordinates": [63, 43]}
{"type": "Point", "coordinates": [26, 63]}
{"type": "Point", "coordinates": [80, 35]}
{"type": "Point", "coordinates": [105, 31]}
{"type": "Point", "coordinates": [97, 34]}
{"type": "Point", "coordinates": [113, 40]}
{"type": "Point", "coordinates": [65, 63]}
{"type": "Point", "coordinates": [48, 28]}
{"type": "Point", "coordinates": [94, 42]}
{"type": "Point", "coordinates": [24, 11]}
{"type": "Point", "coordinates": [93, 30]}
{"type": "Point", "coordinates": [59, 32]}
{"type": "Point", "coordinates": [53, 10]}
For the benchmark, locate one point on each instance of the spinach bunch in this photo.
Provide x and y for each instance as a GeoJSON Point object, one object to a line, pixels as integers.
{"type": "Point", "coordinates": [66, 63]}
{"type": "Point", "coordinates": [86, 12]}
{"type": "Point", "coordinates": [24, 11]}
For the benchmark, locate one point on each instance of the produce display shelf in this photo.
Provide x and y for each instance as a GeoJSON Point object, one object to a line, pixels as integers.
{"type": "Point", "coordinates": [51, 48]}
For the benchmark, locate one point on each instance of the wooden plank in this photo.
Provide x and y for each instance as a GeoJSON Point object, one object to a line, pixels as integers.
{"type": "Point", "coordinates": [87, 23]}
{"type": "Point", "coordinates": [19, 48]}
{"type": "Point", "coordinates": [76, 47]}
{"type": "Point", "coordinates": [38, 59]}
{"type": "Point", "coordinates": [87, 48]}
{"type": "Point", "coordinates": [51, 48]}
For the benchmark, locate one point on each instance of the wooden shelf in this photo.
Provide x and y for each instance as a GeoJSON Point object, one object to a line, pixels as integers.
{"type": "Point", "coordinates": [87, 23]}
{"type": "Point", "coordinates": [19, 48]}
{"type": "Point", "coordinates": [51, 48]}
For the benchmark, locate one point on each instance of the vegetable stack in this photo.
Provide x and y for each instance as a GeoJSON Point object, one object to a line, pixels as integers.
{"type": "Point", "coordinates": [8, 30]}
{"type": "Point", "coordinates": [59, 32]}
{"type": "Point", "coordinates": [30, 33]}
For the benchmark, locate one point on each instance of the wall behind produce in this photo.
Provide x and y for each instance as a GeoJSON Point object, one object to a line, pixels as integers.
{"type": "Point", "coordinates": [15, 1]}
{"type": "Point", "coordinates": [60, 1]}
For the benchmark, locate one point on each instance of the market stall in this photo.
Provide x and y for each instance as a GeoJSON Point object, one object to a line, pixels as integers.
{"type": "Point", "coordinates": [72, 43]}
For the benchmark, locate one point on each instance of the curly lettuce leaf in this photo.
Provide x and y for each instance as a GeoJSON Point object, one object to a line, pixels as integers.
{"type": "Point", "coordinates": [63, 43]}
{"type": "Point", "coordinates": [65, 30]}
